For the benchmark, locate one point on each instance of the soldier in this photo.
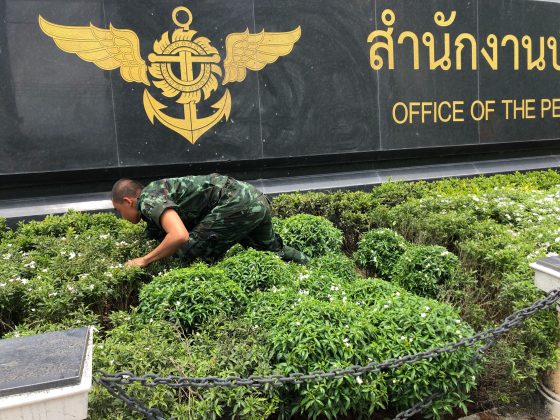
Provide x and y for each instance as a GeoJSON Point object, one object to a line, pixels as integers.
{"type": "Point", "coordinates": [200, 217]}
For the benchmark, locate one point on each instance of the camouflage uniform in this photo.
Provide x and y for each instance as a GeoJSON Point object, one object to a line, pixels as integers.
{"type": "Point", "coordinates": [218, 212]}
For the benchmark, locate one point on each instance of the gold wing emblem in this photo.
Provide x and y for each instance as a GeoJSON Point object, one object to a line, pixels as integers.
{"type": "Point", "coordinates": [254, 51]}
{"type": "Point", "coordinates": [106, 48]}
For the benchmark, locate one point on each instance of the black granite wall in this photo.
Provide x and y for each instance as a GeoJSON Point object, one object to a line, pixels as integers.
{"type": "Point", "coordinates": [60, 114]}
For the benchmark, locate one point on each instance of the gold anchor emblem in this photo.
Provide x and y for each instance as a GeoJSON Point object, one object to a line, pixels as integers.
{"type": "Point", "coordinates": [114, 48]}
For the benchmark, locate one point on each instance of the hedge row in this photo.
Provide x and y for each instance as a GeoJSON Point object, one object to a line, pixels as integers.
{"type": "Point", "coordinates": [497, 225]}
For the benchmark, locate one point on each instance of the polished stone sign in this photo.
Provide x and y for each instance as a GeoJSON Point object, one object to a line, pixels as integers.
{"type": "Point", "coordinates": [43, 361]}
{"type": "Point", "coordinates": [119, 85]}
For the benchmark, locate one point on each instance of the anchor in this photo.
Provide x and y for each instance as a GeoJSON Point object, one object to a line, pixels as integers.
{"type": "Point", "coordinates": [190, 127]}
{"type": "Point", "coordinates": [185, 51]}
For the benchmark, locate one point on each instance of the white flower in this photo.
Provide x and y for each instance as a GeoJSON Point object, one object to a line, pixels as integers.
{"type": "Point", "coordinates": [104, 236]}
{"type": "Point", "coordinates": [30, 264]}
{"type": "Point", "coordinates": [457, 321]}
{"type": "Point", "coordinates": [303, 292]}
{"type": "Point", "coordinates": [423, 315]}
{"type": "Point", "coordinates": [397, 294]}
{"type": "Point", "coordinates": [427, 308]}
{"type": "Point", "coordinates": [403, 337]}
{"type": "Point", "coordinates": [45, 270]}
{"type": "Point", "coordinates": [303, 276]}
{"type": "Point", "coordinates": [72, 255]}
{"type": "Point", "coordinates": [2, 284]}
{"type": "Point", "coordinates": [7, 256]}
{"type": "Point", "coordinates": [385, 306]}
{"type": "Point", "coordinates": [53, 294]}
{"type": "Point", "coordinates": [359, 380]}
{"type": "Point", "coordinates": [475, 198]}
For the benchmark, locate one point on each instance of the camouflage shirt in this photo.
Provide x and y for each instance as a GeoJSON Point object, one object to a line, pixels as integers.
{"type": "Point", "coordinates": [193, 197]}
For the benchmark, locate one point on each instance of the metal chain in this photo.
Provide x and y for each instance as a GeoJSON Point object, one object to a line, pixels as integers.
{"type": "Point", "coordinates": [112, 381]}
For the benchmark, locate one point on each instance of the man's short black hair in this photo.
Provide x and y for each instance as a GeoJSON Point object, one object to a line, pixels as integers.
{"type": "Point", "coordinates": [125, 188]}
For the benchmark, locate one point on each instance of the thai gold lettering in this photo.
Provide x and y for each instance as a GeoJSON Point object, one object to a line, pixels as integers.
{"type": "Point", "coordinates": [539, 63]}
{"type": "Point", "coordinates": [428, 39]}
{"type": "Point", "coordinates": [459, 51]}
{"type": "Point", "coordinates": [492, 42]}
{"type": "Point", "coordinates": [513, 39]}
{"type": "Point", "coordinates": [382, 49]}
{"type": "Point", "coordinates": [553, 44]}
{"type": "Point", "coordinates": [376, 61]}
{"type": "Point", "coordinates": [415, 47]}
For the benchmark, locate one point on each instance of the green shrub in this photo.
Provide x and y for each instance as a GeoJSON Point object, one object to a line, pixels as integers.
{"type": "Point", "coordinates": [256, 270]}
{"type": "Point", "coordinates": [4, 229]}
{"type": "Point", "coordinates": [45, 278]}
{"type": "Point", "coordinates": [233, 347]}
{"type": "Point", "coordinates": [221, 348]}
{"type": "Point", "coordinates": [81, 317]}
{"type": "Point", "coordinates": [140, 347]}
{"type": "Point", "coordinates": [379, 250]}
{"type": "Point", "coordinates": [423, 269]}
{"type": "Point", "coordinates": [312, 235]}
{"type": "Point", "coordinates": [368, 320]}
{"type": "Point", "coordinates": [338, 264]}
{"type": "Point", "coordinates": [191, 296]}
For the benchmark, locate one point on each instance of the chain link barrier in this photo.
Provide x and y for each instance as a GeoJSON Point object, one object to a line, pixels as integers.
{"type": "Point", "coordinates": [113, 382]}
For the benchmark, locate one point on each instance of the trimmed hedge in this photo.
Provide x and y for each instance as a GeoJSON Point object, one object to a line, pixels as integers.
{"type": "Point", "coordinates": [67, 271]}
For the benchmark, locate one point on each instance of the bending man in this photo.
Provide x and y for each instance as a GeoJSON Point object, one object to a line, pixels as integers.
{"type": "Point", "coordinates": [200, 217]}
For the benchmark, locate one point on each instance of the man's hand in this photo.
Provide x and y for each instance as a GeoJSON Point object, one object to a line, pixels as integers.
{"type": "Point", "coordinates": [140, 262]}
{"type": "Point", "coordinates": [176, 235]}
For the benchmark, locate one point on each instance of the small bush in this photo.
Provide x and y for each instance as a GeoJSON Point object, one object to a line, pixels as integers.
{"type": "Point", "coordinates": [140, 347]}
{"type": "Point", "coordinates": [256, 270]}
{"type": "Point", "coordinates": [423, 268]}
{"type": "Point", "coordinates": [366, 321]}
{"type": "Point", "coordinates": [191, 296]}
{"type": "Point", "coordinates": [337, 264]}
{"type": "Point", "coordinates": [81, 317]}
{"type": "Point", "coordinates": [379, 250]}
{"type": "Point", "coordinates": [312, 235]}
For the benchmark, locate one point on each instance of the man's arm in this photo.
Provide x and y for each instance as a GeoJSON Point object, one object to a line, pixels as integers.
{"type": "Point", "coordinates": [176, 236]}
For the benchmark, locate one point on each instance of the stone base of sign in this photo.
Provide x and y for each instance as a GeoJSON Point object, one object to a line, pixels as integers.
{"type": "Point", "coordinates": [547, 278]}
{"type": "Point", "coordinates": [40, 402]}
{"type": "Point", "coordinates": [552, 398]}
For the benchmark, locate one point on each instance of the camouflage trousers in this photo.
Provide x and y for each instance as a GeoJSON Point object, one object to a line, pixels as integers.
{"type": "Point", "coordinates": [242, 215]}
